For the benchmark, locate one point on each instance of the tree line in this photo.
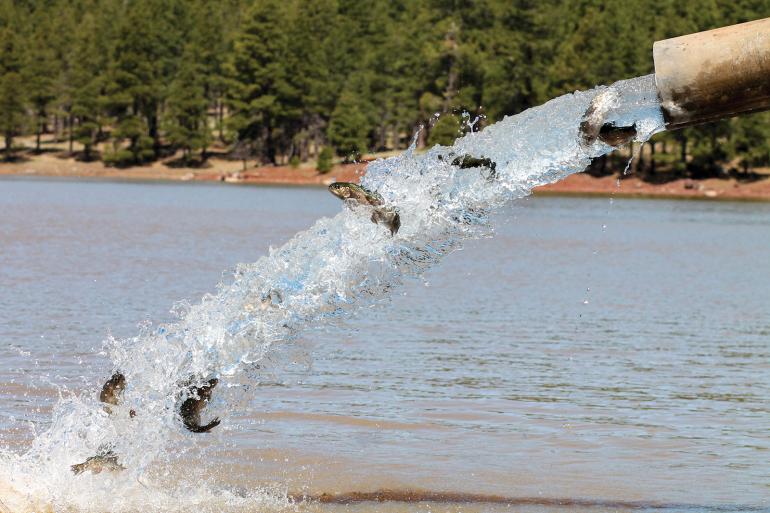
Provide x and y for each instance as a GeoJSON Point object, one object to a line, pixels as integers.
{"type": "Point", "coordinates": [278, 80]}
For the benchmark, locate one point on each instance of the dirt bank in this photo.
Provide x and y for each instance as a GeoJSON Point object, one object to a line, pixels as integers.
{"type": "Point", "coordinates": [215, 170]}
{"type": "Point", "coordinates": [582, 184]}
{"type": "Point", "coordinates": [222, 170]}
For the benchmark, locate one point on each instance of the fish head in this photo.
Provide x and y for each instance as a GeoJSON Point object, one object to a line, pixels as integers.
{"type": "Point", "coordinates": [342, 190]}
{"type": "Point", "coordinates": [113, 389]}
{"type": "Point", "coordinates": [119, 380]}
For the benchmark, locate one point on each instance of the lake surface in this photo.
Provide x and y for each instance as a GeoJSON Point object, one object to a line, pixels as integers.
{"type": "Point", "coordinates": [592, 349]}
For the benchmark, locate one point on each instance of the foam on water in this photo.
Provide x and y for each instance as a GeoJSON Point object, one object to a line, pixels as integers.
{"type": "Point", "coordinates": [337, 266]}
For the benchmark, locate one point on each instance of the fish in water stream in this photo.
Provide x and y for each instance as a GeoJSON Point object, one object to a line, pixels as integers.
{"type": "Point", "coordinates": [616, 135]}
{"type": "Point", "coordinates": [112, 392]}
{"type": "Point", "coordinates": [381, 214]}
{"type": "Point", "coordinates": [197, 399]}
{"type": "Point", "coordinates": [470, 162]}
{"type": "Point", "coordinates": [595, 127]}
{"type": "Point", "coordinates": [104, 460]}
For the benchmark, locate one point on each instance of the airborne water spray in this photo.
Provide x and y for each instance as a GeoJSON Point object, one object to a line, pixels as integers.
{"type": "Point", "coordinates": [340, 264]}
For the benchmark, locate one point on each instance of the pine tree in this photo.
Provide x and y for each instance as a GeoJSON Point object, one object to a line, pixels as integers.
{"type": "Point", "coordinates": [38, 81]}
{"type": "Point", "coordinates": [86, 86]}
{"type": "Point", "coordinates": [349, 127]}
{"type": "Point", "coordinates": [12, 90]}
{"type": "Point", "coordinates": [399, 74]}
{"type": "Point", "coordinates": [261, 97]}
{"type": "Point", "coordinates": [311, 64]}
{"type": "Point", "coordinates": [325, 157]}
{"type": "Point", "coordinates": [140, 145]}
{"type": "Point", "coordinates": [187, 123]}
{"type": "Point", "coordinates": [751, 140]}
{"type": "Point", "coordinates": [572, 65]}
{"type": "Point", "coordinates": [148, 40]}
{"type": "Point", "coordinates": [453, 53]}
{"type": "Point", "coordinates": [213, 42]}
{"type": "Point", "coordinates": [60, 22]}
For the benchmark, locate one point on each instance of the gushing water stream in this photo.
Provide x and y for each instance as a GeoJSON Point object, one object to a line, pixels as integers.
{"type": "Point", "coordinates": [337, 266]}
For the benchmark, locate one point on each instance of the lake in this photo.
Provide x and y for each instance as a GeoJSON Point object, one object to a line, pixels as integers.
{"type": "Point", "coordinates": [593, 349]}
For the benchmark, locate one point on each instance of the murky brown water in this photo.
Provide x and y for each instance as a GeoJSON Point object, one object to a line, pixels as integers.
{"type": "Point", "coordinates": [597, 351]}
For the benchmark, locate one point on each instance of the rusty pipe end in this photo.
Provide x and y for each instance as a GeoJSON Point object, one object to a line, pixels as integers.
{"type": "Point", "coordinates": [715, 74]}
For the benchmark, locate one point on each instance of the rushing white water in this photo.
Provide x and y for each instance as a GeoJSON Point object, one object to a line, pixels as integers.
{"type": "Point", "coordinates": [338, 265]}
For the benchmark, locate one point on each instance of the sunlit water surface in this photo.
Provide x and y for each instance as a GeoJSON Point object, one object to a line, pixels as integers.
{"type": "Point", "coordinates": [591, 349]}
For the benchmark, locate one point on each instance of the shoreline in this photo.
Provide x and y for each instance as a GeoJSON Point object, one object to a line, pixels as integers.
{"type": "Point", "coordinates": [711, 189]}
{"type": "Point", "coordinates": [230, 172]}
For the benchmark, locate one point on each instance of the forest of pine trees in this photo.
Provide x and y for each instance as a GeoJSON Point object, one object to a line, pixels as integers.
{"type": "Point", "coordinates": [129, 82]}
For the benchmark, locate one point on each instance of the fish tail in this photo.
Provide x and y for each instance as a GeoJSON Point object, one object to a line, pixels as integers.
{"type": "Point", "coordinates": [203, 429]}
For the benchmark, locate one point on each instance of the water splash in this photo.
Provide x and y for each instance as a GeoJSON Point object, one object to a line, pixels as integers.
{"type": "Point", "coordinates": [337, 266]}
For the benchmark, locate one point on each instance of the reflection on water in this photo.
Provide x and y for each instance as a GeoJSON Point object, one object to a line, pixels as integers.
{"type": "Point", "coordinates": [563, 358]}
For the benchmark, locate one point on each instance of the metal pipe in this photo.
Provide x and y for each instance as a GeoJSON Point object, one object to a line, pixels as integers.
{"type": "Point", "coordinates": [715, 74]}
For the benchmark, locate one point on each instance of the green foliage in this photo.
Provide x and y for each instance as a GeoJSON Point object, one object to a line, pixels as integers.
{"type": "Point", "coordinates": [445, 131]}
{"type": "Point", "coordinates": [709, 149]}
{"type": "Point", "coordinates": [12, 90]}
{"type": "Point", "coordinates": [187, 105]}
{"type": "Point", "coordinates": [279, 79]}
{"type": "Point", "coordinates": [310, 60]}
{"type": "Point", "coordinates": [86, 134]}
{"type": "Point", "coordinates": [38, 80]}
{"type": "Point", "coordinates": [751, 141]}
{"type": "Point", "coordinates": [325, 160]}
{"type": "Point", "coordinates": [85, 86]}
{"type": "Point", "coordinates": [262, 97]}
{"type": "Point", "coordinates": [148, 40]}
{"type": "Point", "coordinates": [294, 162]}
{"type": "Point", "coordinates": [119, 158]}
{"type": "Point", "coordinates": [348, 126]}
{"type": "Point", "coordinates": [140, 145]}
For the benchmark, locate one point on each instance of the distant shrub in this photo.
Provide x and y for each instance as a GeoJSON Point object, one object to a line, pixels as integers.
{"type": "Point", "coordinates": [13, 154]}
{"type": "Point", "coordinates": [144, 151]}
{"type": "Point", "coordinates": [294, 162]}
{"type": "Point", "coordinates": [119, 158]}
{"type": "Point", "coordinates": [324, 164]}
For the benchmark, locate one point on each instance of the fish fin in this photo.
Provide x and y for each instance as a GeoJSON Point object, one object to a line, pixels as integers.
{"type": "Point", "coordinates": [211, 425]}
{"type": "Point", "coordinates": [395, 224]}
{"type": "Point", "coordinates": [203, 429]}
